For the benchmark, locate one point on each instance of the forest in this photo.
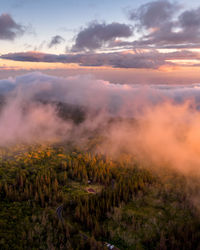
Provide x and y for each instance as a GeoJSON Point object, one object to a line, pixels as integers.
{"type": "Point", "coordinates": [56, 197]}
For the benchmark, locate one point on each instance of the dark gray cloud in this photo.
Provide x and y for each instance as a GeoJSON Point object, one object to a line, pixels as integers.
{"type": "Point", "coordinates": [9, 29]}
{"type": "Point", "coordinates": [190, 19]}
{"type": "Point", "coordinates": [154, 14]}
{"type": "Point", "coordinates": [96, 35]}
{"type": "Point", "coordinates": [56, 40]}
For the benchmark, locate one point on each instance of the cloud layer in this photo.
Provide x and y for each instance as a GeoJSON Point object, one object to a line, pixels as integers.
{"type": "Point", "coordinates": [97, 94]}
{"type": "Point", "coordinates": [150, 59]}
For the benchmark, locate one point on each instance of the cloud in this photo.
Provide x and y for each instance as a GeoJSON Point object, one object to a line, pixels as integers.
{"type": "Point", "coordinates": [138, 59]}
{"type": "Point", "coordinates": [56, 40]}
{"type": "Point", "coordinates": [154, 14]}
{"type": "Point", "coordinates": [190, 19]}
{"type": "Point", "coordinates": [9, 29]}
{"type": "Point", "coordinates": [96, 35]}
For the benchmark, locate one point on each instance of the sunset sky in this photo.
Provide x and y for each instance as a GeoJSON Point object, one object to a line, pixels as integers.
{"type": "Point", "coordinates": [121, 41]}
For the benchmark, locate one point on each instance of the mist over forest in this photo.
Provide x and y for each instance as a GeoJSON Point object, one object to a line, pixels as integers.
{"type": "Point", "coordinates": [137, 119]}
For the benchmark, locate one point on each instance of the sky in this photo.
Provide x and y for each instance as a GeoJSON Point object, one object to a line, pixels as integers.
{"type": "Point", "coordinates": [125, 41]}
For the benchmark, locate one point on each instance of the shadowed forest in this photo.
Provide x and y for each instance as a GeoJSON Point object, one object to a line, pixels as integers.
{"type": "Point", "coordinates": [53, 197]}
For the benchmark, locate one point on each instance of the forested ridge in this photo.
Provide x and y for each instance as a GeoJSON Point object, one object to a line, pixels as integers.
{"type": "Point", "coordinates": [101, 200]}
